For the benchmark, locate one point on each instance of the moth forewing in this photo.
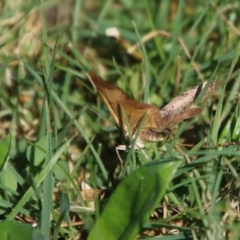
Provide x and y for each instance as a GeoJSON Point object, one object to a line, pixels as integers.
{"type": "Point", "coordinates": [138, 132]}
{"type": "Point", "coordinates": [130, 132]}
{"type": "Point", "coordinates": [105, 89]}
{"type": "Point", "coordinates": [133, 132]}
{"type": "Point", "coordinates": [124, 122]}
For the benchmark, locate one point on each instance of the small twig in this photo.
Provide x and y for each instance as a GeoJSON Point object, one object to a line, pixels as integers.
{"type": "Point", "coordinates": [178, 77]}
{"type": "Point", "coordinates": [213, 146]}
{"type": "Point", "coordinates": [155, 33]}
{"type": "Point", "coordinates": [230, 25]}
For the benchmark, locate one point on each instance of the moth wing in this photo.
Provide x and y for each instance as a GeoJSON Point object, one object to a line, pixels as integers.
{"type": "Point", "coordinates": [114, 98]}
{"type": "Point", "coordinates": [182, 107]}
{"type": "Point", "coordinates": [153, 126]}
{"type": "Point", "coordinates": [192, 112]}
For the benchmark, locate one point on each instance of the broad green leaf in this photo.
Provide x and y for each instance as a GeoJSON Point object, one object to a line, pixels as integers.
{"type": "Point", "coordinates": [133, 201]}
{"type": "Point", "coordinates": [14, 230]}
{"type": "Point", "coordinates": [64, 206]}
{"type": "Point", "coordinates": [58, 170]}
{"type": "Point", "coordinates": [8, 178]}
{"type": "Point", "coordinates": [36, 152]}
{"type": "Point", "coordinates": [5, 145]}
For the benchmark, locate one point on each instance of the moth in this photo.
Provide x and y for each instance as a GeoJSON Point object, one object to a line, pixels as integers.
{"type": "Point", "coordinates": [145, 121]}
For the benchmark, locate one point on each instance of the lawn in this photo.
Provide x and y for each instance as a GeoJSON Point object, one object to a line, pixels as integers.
{"type": "Point", "coordinates": [61, 176]}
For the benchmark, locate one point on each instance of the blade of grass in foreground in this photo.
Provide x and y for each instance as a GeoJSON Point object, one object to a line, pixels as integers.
{"type": "Point", "coordinates": [133, 201]}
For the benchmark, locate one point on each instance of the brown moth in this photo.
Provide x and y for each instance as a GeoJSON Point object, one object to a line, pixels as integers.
{"type": "Point", "coordinates": [130, 114]}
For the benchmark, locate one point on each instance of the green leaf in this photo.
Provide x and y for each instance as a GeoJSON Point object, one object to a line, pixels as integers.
{"type": "Point", "coordinates": [8, 178]}
{"type": "Point", "coordinates": [64, 206]}
{"type": "Point", "coordinates": [133, 201]}
{"type": "Point", "coordinates": [14, 230]}
{"type": "Point", "coordinates": [36, 152]}
{"type": "Point", "coordinates": [58, 170]}
{"type": "Point", "coordinates": [5, 145]}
